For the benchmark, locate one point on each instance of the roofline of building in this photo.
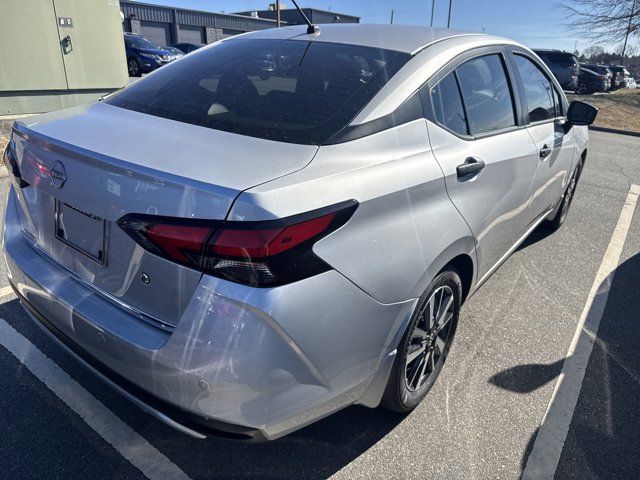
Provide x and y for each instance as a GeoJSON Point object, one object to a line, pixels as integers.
{"type": "Point", "coordinates": [303, 8]}
{"type": "Point", "coordinates": [237, 15]}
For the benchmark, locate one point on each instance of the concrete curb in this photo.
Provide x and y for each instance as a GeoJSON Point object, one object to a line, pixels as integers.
{"type": "Point", "coordinates": [614, 130]}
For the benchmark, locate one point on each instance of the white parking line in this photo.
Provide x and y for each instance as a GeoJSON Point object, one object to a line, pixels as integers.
{"type": "Point", "coordinates": [547, 447]}
{"type": "Point", "coordinates": [4, 291]}
{"type": "Point", "coordinates": [142, 455]}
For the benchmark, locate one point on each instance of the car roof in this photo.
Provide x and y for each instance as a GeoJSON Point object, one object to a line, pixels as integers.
{"type": "Point", "coordinates": [402, 38]}
{"type": "Point", "coordinates": [551, 50]}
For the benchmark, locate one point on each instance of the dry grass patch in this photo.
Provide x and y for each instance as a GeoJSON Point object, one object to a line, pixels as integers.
{"type": "Point", "coordinates": [619, 109]}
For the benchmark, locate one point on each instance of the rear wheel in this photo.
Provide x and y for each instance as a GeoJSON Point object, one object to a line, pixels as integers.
{"type": "Point", "coordinates": [565, 203]}
{"type": "Point", "coordinates": [425, 345]}
{"type": "Point", "coordinates": [582, 89]}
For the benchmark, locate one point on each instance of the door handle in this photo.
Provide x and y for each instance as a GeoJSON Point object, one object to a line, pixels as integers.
{"type": "Point", "coordinates": [470, 166]}
{"type": "Point", "coordinates": [545, 151]}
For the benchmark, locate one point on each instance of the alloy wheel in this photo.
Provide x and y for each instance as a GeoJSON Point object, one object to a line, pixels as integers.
{"type": "Point", "coordinates": [429, 337]}
{"type": "Point", "coordinates": [134, 69]}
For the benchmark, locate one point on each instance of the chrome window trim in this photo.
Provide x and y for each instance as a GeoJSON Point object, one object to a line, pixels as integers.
{"type": "Point", "coordinates": [452, 66]}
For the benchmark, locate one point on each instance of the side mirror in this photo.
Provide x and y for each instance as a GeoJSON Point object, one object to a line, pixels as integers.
{"type": "Point", "coordinates": [581, 113]}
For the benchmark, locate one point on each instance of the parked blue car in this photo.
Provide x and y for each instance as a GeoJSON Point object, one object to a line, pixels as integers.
{"type": "Point", "coordinates": [143, 56]}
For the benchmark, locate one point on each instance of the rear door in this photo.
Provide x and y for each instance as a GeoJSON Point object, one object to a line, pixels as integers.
{"type": "Point", "coordinates": [488, 158]}
{"type": "Point", "coordinates": [544, 108]}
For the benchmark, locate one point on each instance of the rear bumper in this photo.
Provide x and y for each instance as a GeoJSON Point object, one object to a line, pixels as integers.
{"type": "Point", "coordinates": [570, 83]}
{"type": "Point", "coordinates": [184, 421]}
{"type": "Point", "coordinates": [242, 363]}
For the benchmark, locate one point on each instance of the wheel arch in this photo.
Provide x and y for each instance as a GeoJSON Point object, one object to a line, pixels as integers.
{"type": "Point", "coordinates": [464, 266]}
{"type": "Point", "coordinates": [459, 256]}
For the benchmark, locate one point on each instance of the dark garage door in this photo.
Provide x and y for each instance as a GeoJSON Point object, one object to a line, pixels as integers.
{"type": "Point", "coordinates": [159, 33]}
{"type": "Point", "coordinates": [190, 34]}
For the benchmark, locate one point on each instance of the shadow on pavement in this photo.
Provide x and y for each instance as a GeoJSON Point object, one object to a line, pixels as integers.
{"type": "Point", "coordinates": [317, 451]}
{"type": "Point", "coordinates": [527, 378]}
{"type": "Point", "coordinates": [538, 234]}
{"type": "Point", "coordinates": [604, 436]}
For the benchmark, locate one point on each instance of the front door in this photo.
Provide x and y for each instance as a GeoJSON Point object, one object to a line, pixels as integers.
{"type": "Point", "coordinates": [555, 144]}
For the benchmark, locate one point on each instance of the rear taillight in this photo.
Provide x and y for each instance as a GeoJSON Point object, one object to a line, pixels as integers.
{"type": "Point", "coordinates": [9, 161]}
{"type": "Point", "coordinates": [260, 254]}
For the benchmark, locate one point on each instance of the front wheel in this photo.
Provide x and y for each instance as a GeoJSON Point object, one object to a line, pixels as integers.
{"type": "Point", "coordinates": [425, 344]}
{"type": "Point", "coordinates": [134, 67]}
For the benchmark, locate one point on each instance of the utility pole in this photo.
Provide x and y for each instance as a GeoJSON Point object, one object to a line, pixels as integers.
{"type": "Point", "coordinates": [391, 16]}
{"type": "Point", "coordinates": [449, 19]}
{"type": "Point", "coordinates": [433, 7]}
{"type": "Point", "coordinates": [277, 13]}
{"type": "Point", "coordinates": [626, 36]}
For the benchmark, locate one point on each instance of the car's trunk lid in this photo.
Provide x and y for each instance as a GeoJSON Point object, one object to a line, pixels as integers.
{"type": "Point", "coordinates": [100, 162]}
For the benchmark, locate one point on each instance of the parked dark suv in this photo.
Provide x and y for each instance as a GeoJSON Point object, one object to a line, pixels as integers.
{"type": "Point", "coordinates": [563, 65]}
{"type": "Point", "coordinates": [143, 56]}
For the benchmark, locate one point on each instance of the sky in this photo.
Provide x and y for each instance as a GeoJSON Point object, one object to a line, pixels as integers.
{"type": "Point", "coordinates": [535, 23]}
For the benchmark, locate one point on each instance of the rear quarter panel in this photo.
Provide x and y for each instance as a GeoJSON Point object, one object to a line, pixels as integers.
{"type": "Point", "coordinates": [405, 228]}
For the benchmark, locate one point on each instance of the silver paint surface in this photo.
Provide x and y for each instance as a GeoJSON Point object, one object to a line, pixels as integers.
{"type": "Point", "coordinates": [274, 359]}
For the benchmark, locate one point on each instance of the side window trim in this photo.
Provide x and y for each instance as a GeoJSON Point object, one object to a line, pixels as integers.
{"type": "Point", "coordinates": [510, 73]}
{"type": "Point", "coordinates": [429, 109]}
{"type": "Point", "coordinates": [464, 105]}
{"type": "Point", "coordinates": [513, 51]}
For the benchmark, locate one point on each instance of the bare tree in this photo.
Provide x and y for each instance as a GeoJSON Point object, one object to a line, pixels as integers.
{"type": "Point", "coordinates": [593, 52]}
{"type": "Point", "coordinates": [610, 20]}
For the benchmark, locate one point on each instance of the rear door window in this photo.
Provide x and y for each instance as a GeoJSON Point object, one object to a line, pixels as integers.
{"type": "Point", "coordinates": [486, 94]}
{"type": "Point", "coordinates": [538, 90]}
{"type": "Point", "coordinates": [447, 105]}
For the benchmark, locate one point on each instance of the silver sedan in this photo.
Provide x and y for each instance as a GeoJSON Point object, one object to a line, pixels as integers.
{"type": "Point", "coordinates": [283, 224]}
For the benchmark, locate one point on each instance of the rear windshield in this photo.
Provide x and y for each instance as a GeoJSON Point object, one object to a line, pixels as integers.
{"type": "Point", "coordinates": [286, 90]}
{"type": "Point", "coordinates": [558, 57]}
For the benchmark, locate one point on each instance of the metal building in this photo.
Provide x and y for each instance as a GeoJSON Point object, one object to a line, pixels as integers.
{"type": "Point", "coordinates": [293, 17]}
{"type": "Point", "coordinates": [59, 53]}
{"type": "Point", "coordinates": [167, 25]}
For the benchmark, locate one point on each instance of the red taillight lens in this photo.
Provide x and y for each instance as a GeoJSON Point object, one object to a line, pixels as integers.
{"type": "Point", "coordinates": [179, 242]}
{"type": "Point", "coordinates": [10, 163]}
{"type": "Point", "coordinates": [262, 243]}
{"type": "Point", "coordinates": [256, 253]}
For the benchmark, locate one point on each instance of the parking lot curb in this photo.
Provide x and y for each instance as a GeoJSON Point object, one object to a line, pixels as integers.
{"type": "Point", "coordinates": [614, 130]}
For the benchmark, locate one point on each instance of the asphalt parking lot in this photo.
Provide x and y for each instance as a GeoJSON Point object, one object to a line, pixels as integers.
{"type": "Point", "coordinates": [481, 420]}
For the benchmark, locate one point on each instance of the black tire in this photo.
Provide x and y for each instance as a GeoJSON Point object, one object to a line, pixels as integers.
{"type": "Point", "coordinates": [133, 66]}
{"type": "Point", "coordinates": [403, 393]}
{"type": "Point", "coordinates": [582, 89]}
{"type": "Point", "coordinates": [565, 202]}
